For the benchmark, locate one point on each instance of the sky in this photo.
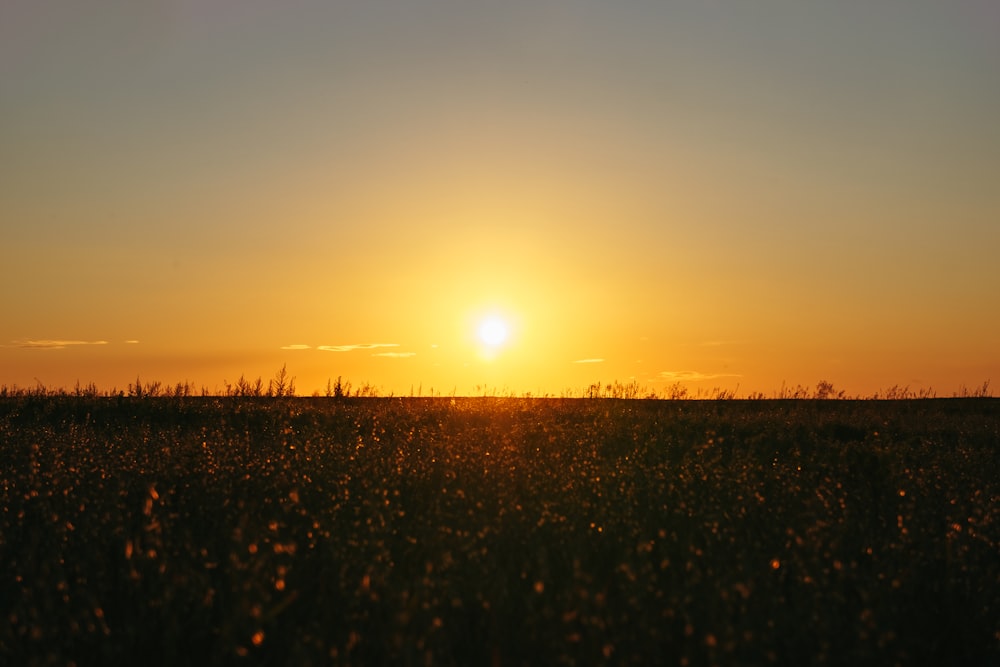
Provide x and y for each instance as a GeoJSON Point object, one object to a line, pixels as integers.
{"type": "Point", "coordinates": [726, 194]}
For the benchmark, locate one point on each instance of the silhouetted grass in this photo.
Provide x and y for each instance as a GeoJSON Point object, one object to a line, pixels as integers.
{"type": "Point", "coordinates": [192, 530]}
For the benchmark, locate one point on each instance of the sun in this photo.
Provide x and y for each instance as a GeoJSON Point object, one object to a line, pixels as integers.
{"type": "Point", "coordinates": [493, 331]}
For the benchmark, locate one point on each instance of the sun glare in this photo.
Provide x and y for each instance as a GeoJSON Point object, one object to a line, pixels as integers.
{"type": "Point", "coordinates": [493, 331]}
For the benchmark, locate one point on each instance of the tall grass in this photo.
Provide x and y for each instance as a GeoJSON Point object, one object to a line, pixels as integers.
{"type": "Point", "coordinates": [283, 385]}
{"type": "Point", "coordinates": [460, 531]}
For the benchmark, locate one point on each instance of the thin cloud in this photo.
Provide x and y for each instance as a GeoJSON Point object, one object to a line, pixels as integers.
{"type": "Point", "coordinates": [358, 346]}
{"type": "Point", "coordinates": [296, 346]}
{"type": "Point", "coordinates": [395, 355]}
{"type": "Point", "coordinates": [131, 342]}
{"type": "Point", "coordinates": [589, 361]}
{"type": "Point", "coordinates": [56, 344]}
{"type": "Point", "coordinates": [693, 376]}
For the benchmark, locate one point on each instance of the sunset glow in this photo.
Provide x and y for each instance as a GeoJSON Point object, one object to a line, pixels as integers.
{"type": "Point", "coordinates": [493, 331]}
{"type": "Point", "coordinates": [713, 195]}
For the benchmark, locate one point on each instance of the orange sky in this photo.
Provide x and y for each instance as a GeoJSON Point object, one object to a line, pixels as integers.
{"type": "Point", "coordinates": [722, 194]}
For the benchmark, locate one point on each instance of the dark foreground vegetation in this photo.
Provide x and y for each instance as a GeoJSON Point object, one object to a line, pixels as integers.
{"type": "Point", "coordinates": [498, 531]}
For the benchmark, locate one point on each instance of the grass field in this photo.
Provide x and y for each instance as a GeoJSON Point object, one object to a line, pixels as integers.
{"type": "Point", "coordinates": [499, 531]}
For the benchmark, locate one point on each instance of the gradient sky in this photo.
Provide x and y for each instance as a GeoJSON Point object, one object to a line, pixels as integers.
{"type": "Point", "coordinates": [728, 193]}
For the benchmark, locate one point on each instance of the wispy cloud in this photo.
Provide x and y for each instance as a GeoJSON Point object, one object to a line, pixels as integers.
{"type": "Point", "coordinates": [131, 342]}
{"type": "Point", "coordinates": [694, 376]}
{"type": "Point", "coordinates": [358, 346]}
{"type": "Point", "coordinates": [296, 346]}
{"type": "Point", "coordinates": [395, 355]}
{"type": "Point", "coordinates": [588, 361]}
{"type": "Point", "coordinates": [55, 344]}
{"type": "Point", "coordinates": [718, 343]}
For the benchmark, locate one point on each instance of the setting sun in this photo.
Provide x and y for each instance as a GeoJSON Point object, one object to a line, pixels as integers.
{"type": "Point", "coordinates": [493, 331]}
